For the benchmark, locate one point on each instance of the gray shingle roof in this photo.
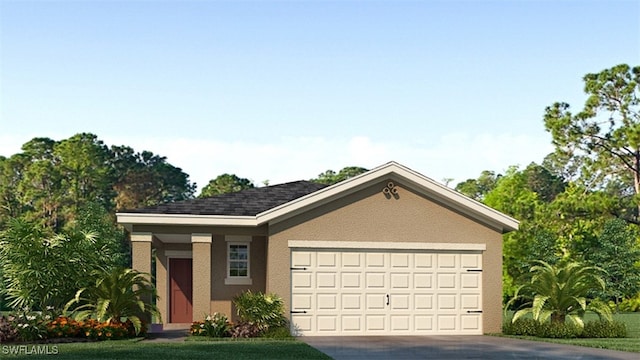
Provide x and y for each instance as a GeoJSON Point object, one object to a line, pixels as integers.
{"type": "Point", "coordinates": [248, 202]}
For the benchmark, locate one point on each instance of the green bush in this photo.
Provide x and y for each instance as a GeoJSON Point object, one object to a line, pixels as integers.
{"type": "Point", "coordinates": [521, 327]}
{"type": "Point", "coordinates": [604, 329]}
{"type": "Point", "coordinates": [263, 310]}
{"type": "Point", "coordinates": [216, 325]}
{"type": "Point", "coordinates": [558, 330]}
{"type": "Point", "coordinates": [281, 332]}
{"type": "Point", "coordinates": [631, 305]}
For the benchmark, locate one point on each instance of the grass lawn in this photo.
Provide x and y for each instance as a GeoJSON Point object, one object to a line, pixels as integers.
{"type": "Point", "coordinates": [631, 343]}
{"type": "Point", "coordinates": [136, 349]}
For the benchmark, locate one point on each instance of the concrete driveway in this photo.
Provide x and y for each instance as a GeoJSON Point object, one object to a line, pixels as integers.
{"type": "Point", "coordinates": [452, 348]}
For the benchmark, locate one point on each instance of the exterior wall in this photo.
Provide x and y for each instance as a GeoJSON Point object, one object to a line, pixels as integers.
{"type": "Point", "coordinates": [368, 215]}
{"type": "Point", "coordinates": [221, 294]}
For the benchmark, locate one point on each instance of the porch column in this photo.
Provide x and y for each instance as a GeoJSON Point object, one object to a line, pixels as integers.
{"type": "Point", "coordinates": [141, 256]}
{"type": "Point", "coordinates": [141, 251]}
{"type": "Point", "coordinates": [201, 250]}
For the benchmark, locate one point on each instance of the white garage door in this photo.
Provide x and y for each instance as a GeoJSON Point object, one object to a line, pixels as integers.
{"type": "Point", "coordinates": [388, 292]}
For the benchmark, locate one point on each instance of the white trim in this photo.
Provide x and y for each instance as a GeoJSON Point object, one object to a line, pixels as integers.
{"type": "Point", "coordinates": [179, 254]}
{"type": "Point", "coordinates": [238, 281]}
{"type": "Point", "coordinates": [385, 245]}
{"type": "Point", "coordinates": [141, 237]}
{"type": "Point", "coordinates": [185, 219]}
{"type": "Point", "coordinates": [200, 238]}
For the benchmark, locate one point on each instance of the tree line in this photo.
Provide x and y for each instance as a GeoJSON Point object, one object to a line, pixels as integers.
{"type": "Point", "coordinates": [580, 204]}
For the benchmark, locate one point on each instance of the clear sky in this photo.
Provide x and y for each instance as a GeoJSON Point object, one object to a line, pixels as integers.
{"type": "Point", "coordinates": [282, 91]}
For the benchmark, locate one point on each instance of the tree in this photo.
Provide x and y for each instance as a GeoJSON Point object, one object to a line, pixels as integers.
{"type": "Point", "coordinates": [478, 188]}
{"type": "Point", "coordinates": [330, 177]}
{"type": "Point", "coordinates": [558, 292]}
{"type": "Point", "coordinates": [602, 140]}
{"type": "Point", "coordinates": [616, 251]}
{"type": "Point", "coordinates": [224, 184]}
{"type": "Point", "coordinates": [145, 179]}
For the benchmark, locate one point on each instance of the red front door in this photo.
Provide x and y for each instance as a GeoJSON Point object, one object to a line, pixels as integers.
{"type": "Point", "coordinates": [180, 289]}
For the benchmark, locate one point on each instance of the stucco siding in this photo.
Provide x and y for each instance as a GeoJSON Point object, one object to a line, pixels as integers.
{"type": "Point", "coordinates": [369, 215]}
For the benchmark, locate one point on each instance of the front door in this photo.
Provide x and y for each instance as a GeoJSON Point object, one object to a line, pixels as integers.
{"type": "Point", "coordinates": [180, 289]}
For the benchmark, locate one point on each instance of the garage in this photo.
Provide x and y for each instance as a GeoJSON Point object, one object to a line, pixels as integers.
{"type": "Point", "coordinates": [386, 289]}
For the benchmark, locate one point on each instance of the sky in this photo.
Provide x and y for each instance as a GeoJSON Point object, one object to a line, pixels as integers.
{"type": "Point", "coordinates": [283, 90]}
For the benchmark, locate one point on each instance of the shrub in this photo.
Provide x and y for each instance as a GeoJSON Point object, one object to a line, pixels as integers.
{"type": "Point", "coordinates": [263, 310]}
{"type": "Point", "coordinates": [604, 329]}
{"type": "Point", "coordinates": [558, 330]}
{"type": "Point", "coordinates": [8, 332]}
{"type": "Point", "coordinates": [116, 297]}
{"type": "Point", "coordinates": [521, 327]}
{"type": "Point", "coordinates": [245, 330]}
{"type": "Point", "coordinates": [281, 332]}
{"type": "Point", "coordinates": [63, 327]}
{"type": "Point", "coordinates": [30, 326]}
{"type": "Point", "coordinates": [631, 304]}
{"type": "Point", "coordinates": [216, 325]}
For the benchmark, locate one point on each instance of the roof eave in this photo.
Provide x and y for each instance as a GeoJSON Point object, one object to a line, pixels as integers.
{"type": "Point", "coordinates": [185, 219]}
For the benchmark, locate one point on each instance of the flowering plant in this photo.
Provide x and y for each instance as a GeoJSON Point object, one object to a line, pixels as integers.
{"type": "Point", "coordinates": [216, 325]}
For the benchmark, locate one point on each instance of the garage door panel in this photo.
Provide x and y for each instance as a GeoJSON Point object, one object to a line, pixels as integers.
{"type": "Point", "coordinates": [351, 280]}
{"type": "Point", "coordinates": [352, 323]}
{"type": "Point", "coordinates": [351, 260]}
{"type": "Point", "coordinates": [301, 259]}
{"type": "Point", "coordinates": [447, 301]}
{"type": "Point", "coordinates": [327, 323]}
{"type": "Point", "coordinates": [400, 260]}
{"type": "Point", "coordinates": [400, 301]}
{"type": "Point", "coordinates": [423, 281]}
{"type": "Point", "coordinates": [447, 261]}
{"type": "Point", "coordinates": [447, 280]}
{"type": "Point", "coordinates": [376, 260]}
{"type": "Point", "coordinates": [376, 301]}
{"type": "Point", "coordinates": [302, 301]}
{"type": "Point", "coordinates": [327, 302]}
{"type": "Point", "coordinates": [327, 259]}
{"type": "Point", "coordinates": [470, 280]}
{"type": "Point", "coordinates": [352, 302]}
{"type": "Point", "coordinates": [470, 322]}
{"type": "Point", "coordinates": [400, 280]}
{"type": "Point", "coordinates": [301, 280]}
{"type": "Point", "coordinates": [376, 280]}
{"type": "Point", "coordinates": [386, 292]}
{"type": "Point", "coordinates": [423, 301]}
{"type": "Point", "coordinates": [447, 322]}
{"type": "Point", "coordinates": [376, 323]}
{"type": "Point", "coordinates": [326, 280]}
{"type": "Point", "coordinates": [400, 323]}
{"type": "Point", "coordinates": [424, 261]}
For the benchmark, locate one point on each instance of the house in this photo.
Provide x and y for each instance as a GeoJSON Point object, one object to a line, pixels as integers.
{"type": "Point", "coordinates": [387, 252]}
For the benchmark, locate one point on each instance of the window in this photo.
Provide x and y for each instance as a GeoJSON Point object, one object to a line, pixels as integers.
{"type": "Point", "coordinates": [238, 260]}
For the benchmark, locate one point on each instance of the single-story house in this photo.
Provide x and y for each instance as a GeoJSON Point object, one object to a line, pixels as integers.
{"type": "Point", "coordinates": [387, 252]}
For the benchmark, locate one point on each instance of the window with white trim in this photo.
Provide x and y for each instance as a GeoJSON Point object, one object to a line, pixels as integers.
{"type": "Point", "coordinates": [238, 260]}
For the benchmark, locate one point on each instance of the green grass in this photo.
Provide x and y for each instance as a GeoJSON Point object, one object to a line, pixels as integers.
{"type": "Point", "coordinates": [631, 343]}
{"type": "Point", "coordinates": [135, 349]}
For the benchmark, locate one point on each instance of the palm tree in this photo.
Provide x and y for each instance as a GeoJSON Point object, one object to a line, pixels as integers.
{"type": "Point", "coordinates": [118, 296]}
{"type": "Point", "coordinates": [560, 291]}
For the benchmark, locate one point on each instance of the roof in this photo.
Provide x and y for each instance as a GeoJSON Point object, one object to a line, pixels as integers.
{"type": "Point", "coordinates": [249, 202]}
{"type": "Point", "coordinates": [255, 210]}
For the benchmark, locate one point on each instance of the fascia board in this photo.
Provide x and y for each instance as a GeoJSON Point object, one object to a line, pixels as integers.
{"type": "Point", "coordinates": [185, 219]}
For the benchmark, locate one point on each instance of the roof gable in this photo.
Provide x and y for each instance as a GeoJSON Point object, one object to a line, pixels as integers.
{"type": "Point", "coordinates": [261, 210]}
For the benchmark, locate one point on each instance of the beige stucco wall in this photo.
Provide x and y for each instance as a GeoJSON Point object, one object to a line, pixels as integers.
{"type": "Point", "coordinates": [368, 215]}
